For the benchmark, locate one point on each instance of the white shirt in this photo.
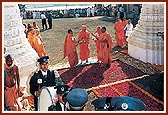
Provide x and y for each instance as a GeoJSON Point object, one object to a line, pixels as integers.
{"type": "Point", "coordinates": [128, 28]}
{"type": "Point", "coordinates": [44, 73]}
{"type": "Point", "coordinates": [43, 16]}
{"type": "Point", "coordinates": [121, 9]}
{"type": "Point", "coordinates": [62, 106]}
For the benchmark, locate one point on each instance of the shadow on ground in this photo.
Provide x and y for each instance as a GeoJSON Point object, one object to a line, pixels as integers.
{"type": "Point", "coordinates": [107, 19]}
{"type": "Point", "coordinates": [154, 84]}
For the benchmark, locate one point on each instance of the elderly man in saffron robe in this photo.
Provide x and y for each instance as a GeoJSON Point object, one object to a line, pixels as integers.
{"type": "Point", "coordinates": [84, 41]}
{"type": "Point", "coordinates": [106, 45]}
{"type": "Point", "coordinates": [119, 33]}
{"type": "Point", "coordinates": [70, 49]}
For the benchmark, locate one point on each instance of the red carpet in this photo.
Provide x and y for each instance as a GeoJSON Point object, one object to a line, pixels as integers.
{"type": "Point", "coordinates": [130, 89]}
{"type": "Point", "coordinates": [93, 75]}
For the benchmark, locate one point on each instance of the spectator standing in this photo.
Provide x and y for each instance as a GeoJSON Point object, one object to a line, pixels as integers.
{"type": "Point", "coordinates": [128, 29]}
{"type": "Point", "coordinates": [43, 18]}
{"type": "Point", "coordinates": [50, 20]}
{"type": "Point", "coordinates": [121, 11]}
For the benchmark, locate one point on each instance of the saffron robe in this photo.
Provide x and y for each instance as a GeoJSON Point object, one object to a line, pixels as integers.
{"type": "Point", "coordinates": [84, 40]}
{"type": "Point", "coordinates": [106, 45]}
{"type": "Point", "coordinates": [38, 44]}
{"type": "Point", "coordinates": [70, 50]}
{"type": "Point", "coordinates": [119, 33]}
{"type": "Point", "coordinates": [30, 37]}
{"type": "Point", "coordinates": [125, 22]}
{"type": "Point", "coordinates": [11, 95]}
{"type": "Point", "coordinates": [97, 44]}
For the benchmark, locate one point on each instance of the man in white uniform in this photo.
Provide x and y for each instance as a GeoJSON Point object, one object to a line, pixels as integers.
{"type": "Point", "coordinates": [128, 29]}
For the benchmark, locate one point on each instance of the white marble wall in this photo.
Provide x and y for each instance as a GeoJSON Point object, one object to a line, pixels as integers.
{"type": "Point", "coordinates": [144, 43]}
{"type": "Point", "coordinates": [16, 43]}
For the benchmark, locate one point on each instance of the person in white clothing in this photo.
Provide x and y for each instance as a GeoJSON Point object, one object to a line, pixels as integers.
{"type": "Point", "coordinates": [43, 18]}
{"type": "Point", "coordinates": [92, 11]}
{"type": "Point", "coordinates": [128, 29]}
{"type": "Point", "coordinates": [88, 12]}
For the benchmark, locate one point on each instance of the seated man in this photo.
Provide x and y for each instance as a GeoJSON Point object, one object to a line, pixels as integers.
{"type": "Point", "coordinates": [77, 99]}
{"type": "Point", "coordinates": [44, 77]}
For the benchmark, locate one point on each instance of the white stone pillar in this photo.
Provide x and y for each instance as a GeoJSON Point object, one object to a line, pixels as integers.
{"type": "Point", "coordinates": [144, 43]}
{"type": "Point", "coordinates": [16, 43]}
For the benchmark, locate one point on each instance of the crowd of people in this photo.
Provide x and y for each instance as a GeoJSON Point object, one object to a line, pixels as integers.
{"type": "Point", "coordinates": [45, 77]}
{"type": "Point", "coordinates": [32, 32]}
{"type": "Point", "coordinates": [71, 13]}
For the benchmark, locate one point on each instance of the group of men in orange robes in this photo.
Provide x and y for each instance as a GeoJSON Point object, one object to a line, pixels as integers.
{"type": "Point", "coordinates": [123, 29]}
{"type": "Point", "coordinates": [70, 44]}
{"type": "Point", "coordinates": [119, 32]}
{"type": "Point", "coordinates": [35, 40]}
{"type": "Point", "coordinates": [103, 44]}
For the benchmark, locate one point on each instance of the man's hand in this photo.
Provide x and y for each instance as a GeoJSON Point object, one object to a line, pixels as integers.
{"type": "Point", "coordinates": [37, 93]}
{"type": "Point", "coordinates": [81, 41]}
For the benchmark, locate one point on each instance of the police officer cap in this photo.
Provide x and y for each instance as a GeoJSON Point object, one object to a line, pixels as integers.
{"type": "Point", "coordinates": [43, 59]}
{"type": "Point", "coordinates": [61, 89]}
{"type": "Point", "coordinates": [126, 103]}
{"type": "Point", "coordinates": [120, 103]}
{"type": "Point", "coordinates": [77, 97]}
{"type": "Point", "coordinates": [102, 104]}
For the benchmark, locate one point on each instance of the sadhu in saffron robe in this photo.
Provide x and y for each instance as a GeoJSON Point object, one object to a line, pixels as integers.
{"type": "Point", "coordinates": [119, 33]}
{"type": "Point", "coordinates": [84, 41]}
{"type": "Point", "coordinates": [106, 45]}
{"type": "Point", "coordinates": [70, 50]}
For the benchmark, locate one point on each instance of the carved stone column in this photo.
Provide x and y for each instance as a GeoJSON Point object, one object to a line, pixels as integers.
{"type": "Point", "coordinates": [16, 43]}
{"type": "Point", "coordinates": [146, 43]}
